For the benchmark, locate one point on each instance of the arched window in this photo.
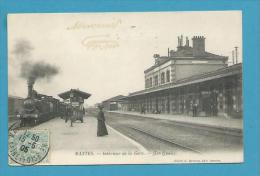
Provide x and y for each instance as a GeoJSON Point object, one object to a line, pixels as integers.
{"type": "Point", "coordinates": [168, 76]}
{"type": "Point", "coordinates": [162, 78]}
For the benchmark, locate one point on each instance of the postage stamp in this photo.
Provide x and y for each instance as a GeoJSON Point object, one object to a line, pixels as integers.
{"type": "Point", "coordinates": [28, 147]}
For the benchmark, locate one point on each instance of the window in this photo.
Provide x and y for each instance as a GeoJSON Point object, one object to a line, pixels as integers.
{"type": "Point", "coordinates": [156, 80]}
{"type": "Point", "coordinates": [162, 78]}
{"type": "Point", "coordinates": [151, 82]}
{"type": "Point", "coordinates": [168, 76]}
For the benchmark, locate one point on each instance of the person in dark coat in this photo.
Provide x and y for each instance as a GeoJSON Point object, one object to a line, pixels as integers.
{"type": "Point", "coordinates": [194, 110]}
{"type": "Point", "coordinates": [101, 126]}
{"type": "Point", "coordinates": [69, 115]}
{"type": "Point", "coordinates": [142, 109]}
{"type": "Point", "coordinates": [66, 114]}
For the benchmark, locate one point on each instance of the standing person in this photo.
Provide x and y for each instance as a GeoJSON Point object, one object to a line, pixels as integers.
{"type": "Point", "coordinates": [72, 116]}
{"type": "Point", "coordinates": [194, 109]}
{"type": "Point", "coordinates": [101, 126]}
{"type": "Point", "coordinates": [69, 115]}
{"type": "Point", "coordinates": [66, 114]}
{"type": "Point", "coordinates": [142, 109]}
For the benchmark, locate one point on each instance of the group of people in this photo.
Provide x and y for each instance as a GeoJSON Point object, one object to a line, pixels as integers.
{"type": "Point", "coordinates": [194, 108]}
{"type": "Point", "coordinates": [73, 114]}
{"type": "Point", "coordinates": [101, 126]}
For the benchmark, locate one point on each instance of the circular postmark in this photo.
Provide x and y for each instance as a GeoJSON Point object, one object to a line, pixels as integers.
{"type": "Point", "coordinates": [28, 147]}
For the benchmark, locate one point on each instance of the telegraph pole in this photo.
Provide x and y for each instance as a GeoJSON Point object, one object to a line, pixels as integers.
{"type": "Point", "coordinates": [233, 57]}
{"type": "Point", "coordinates": [236, 53]}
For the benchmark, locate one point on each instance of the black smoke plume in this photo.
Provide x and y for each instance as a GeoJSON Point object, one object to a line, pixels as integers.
{"type": "Point", "coordinates": [38, 70]}
{"type": "Point", "coordinates": [22, 48]}
{"type": "Point", "coordinates": [31, 71]}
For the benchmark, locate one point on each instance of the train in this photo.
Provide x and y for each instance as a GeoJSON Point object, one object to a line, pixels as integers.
{"type": "Point", "coordinates": [38, 108]}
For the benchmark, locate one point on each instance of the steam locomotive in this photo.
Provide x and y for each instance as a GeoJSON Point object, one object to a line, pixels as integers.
{"type": "Point", "coordinates": [38, 108]}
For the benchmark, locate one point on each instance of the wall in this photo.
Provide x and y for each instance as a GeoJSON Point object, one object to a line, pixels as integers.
{"type": "Point", "coordinates": [189, 68]}
{"type": "Point", "coordinates": [157, 71]}
{"type": "Point", "coordinates": [180, 69]}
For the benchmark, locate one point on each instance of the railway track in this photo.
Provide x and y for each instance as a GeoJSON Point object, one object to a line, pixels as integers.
{"type": "Point", "coordinates": [16, 126]}
{"type": "Point", "coordinates": [164, 139]}
{"type": "Point", "coordinates": [156, 134]}
{"type": "Point", "coordinates": [211, 129]}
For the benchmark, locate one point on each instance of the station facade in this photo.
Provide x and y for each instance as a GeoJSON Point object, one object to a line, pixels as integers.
{"type": "Point", "coordinates": [190, 75]}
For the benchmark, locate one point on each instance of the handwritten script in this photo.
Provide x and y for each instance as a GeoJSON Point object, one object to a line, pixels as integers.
{"type": "Point", "coordinates": [99, 42]}
{"type": "Point", "coordinates": [84, 25]}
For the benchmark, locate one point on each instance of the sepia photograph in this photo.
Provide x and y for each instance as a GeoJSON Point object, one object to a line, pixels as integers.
{"type": "Point", "coordinates": [125, 88]}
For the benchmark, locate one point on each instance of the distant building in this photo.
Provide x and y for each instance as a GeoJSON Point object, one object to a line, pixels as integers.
{"type": "Point", "coordinates": [114, 103]}
{"type": "Point", "coordinates": [190, 76]}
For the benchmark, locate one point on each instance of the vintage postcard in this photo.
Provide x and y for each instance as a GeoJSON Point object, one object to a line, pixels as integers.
{"type": "Point", "coordinates": [125, 88]}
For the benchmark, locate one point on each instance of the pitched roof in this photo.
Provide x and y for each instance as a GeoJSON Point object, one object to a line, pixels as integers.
{"type": "Point", "coordinates": [116, 98]}
{"type": "Point", "coordinates": [185, 52]}
{"type": "Point", "coordinates": [66, 95]}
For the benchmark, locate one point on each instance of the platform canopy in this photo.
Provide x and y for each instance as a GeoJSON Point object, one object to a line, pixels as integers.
{"type": "Point", "coordinates": [75, 93]}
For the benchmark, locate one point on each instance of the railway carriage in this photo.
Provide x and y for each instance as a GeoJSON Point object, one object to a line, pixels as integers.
{"type": "Point", "coordinates": [38, 108]}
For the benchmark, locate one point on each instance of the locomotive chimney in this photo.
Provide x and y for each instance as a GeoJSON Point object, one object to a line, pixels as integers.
{"type": "Point", "coordinates": [30, 83]}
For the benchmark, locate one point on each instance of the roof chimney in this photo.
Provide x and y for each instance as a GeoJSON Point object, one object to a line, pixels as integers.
{"type": "Point", "coordinates": [198, 45]}
{"type": "Point", "coordinates": [180, 42]}
{"type": "Point", "coordinates": [187, 42]}
{"type": "Point", "coordinates": [233, 57]}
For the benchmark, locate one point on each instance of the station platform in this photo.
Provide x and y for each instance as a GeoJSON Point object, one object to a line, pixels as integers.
{"type": "Point", "coordinates": [80, 145]}
{"type": "Point", "coordinates": [214, 122]}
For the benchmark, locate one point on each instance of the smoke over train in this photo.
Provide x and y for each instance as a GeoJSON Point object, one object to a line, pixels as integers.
{"type": "Point", "coordinates": [37, 107]}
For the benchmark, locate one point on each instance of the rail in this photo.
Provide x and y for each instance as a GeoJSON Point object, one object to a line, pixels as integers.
{"type": "Point", "coordinates": [164, 139]}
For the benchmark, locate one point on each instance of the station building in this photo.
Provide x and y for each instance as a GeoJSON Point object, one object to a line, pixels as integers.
{"type": "Point", "coordinates": [190, 75]}
{"type": "Point", "coordinates": [114, 103]}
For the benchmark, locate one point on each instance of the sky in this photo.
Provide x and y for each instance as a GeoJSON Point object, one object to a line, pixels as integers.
{"type": "Point", "coordinates": [105, 54]}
